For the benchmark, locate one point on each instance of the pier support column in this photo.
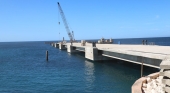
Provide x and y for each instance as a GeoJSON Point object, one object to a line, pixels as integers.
{"type": "Point", "coordinates": [61, 46]}
{"type": "Point", "coordinates": [56, 45]}
{"type": "Point", "coordinates": [92, 54]}
{"type": "Point", "coordinates": [71, 49]}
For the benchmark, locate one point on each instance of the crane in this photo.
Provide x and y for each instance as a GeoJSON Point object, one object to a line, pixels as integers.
{"type": "Point", "coordinates": [71, 35]}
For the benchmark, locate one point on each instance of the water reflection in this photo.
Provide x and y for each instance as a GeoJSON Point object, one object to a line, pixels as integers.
{"type": "Point", "coordinates": [89, 75]}
{"type": "Point", "coordinates": [69, 54]}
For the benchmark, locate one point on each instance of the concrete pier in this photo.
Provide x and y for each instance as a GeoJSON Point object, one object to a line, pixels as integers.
{"type": "Point", "coordinates": [150, 55]}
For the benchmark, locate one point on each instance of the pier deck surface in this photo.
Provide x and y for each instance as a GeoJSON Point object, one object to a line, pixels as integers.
{"type": "Point", "coordinates": [153, 51]}
{"type": "Point", "coordinates": [151, 55]}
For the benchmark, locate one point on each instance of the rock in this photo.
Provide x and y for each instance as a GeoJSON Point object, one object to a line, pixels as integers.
{"type": "Point", "coordinates": [148, 79]}
{"type": "Point", "coordinates": [153, 85]}
{"type": "Point", "coordinates": [144, 85]}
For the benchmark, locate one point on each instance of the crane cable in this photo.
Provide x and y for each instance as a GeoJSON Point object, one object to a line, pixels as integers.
{"type": "Point", "coordinates": [59, 24]}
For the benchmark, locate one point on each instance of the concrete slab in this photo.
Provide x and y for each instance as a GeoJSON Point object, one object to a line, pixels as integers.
{"type": "Point", "coordinates": [165, 64]}
{"type": "Point", "coordinates": [164, 50]}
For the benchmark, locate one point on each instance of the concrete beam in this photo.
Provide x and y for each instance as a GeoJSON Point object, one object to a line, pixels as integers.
{"type": "Point", "coordinates": [80, 49]}
{"type": "Point", "coordinates": [165, 64]}
{"type": "Point", "coordinates": [133, 58]}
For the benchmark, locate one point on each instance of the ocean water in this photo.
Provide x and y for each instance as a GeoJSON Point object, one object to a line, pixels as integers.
{"type": "Point", "coordinates": [24, 69]}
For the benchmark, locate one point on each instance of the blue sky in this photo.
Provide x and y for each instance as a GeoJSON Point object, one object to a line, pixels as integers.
{"type": "Point", "coordinates": [37, 20]}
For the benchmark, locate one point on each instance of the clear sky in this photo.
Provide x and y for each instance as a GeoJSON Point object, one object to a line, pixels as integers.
{"type": "Point", "coordinates": [37, 20]}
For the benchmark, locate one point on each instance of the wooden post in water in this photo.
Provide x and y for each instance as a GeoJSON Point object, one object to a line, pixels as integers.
{"type": "Point", "coordinates": [142, 69]}
{"type": "Point", "coordinates": [47, 55]}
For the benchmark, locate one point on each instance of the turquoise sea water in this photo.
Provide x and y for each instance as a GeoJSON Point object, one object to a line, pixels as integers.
{"type": "Point", "coordinates": [24, 69]}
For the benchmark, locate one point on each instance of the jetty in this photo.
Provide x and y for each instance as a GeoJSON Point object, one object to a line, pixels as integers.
{"type": "Point", "coordinates": [149, 55]}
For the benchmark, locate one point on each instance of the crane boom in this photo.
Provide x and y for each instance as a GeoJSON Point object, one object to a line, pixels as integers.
{"type": "Point", "coordinates": [65, 23]}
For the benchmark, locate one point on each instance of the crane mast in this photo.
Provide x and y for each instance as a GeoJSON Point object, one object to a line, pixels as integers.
{"type": "Point", "coordinates": [71, 36]}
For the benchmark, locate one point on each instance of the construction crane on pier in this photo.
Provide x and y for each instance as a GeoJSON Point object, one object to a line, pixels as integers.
{"type": "Point", "coordinates": [71, 35]}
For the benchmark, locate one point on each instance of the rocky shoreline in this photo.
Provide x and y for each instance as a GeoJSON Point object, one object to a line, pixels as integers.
{"type": "Point", "coordinates": [153, 85]}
